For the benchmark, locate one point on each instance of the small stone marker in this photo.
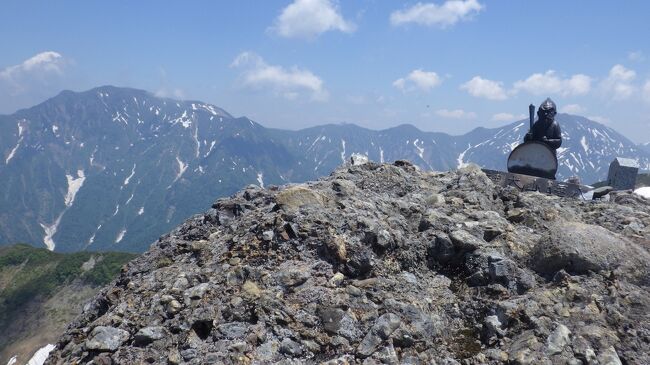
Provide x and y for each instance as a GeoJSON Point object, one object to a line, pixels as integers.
{"type": "Point", "coordinates": [622, 173]}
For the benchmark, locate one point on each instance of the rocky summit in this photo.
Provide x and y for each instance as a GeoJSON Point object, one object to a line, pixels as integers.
{"type": "Point", "coordinates": [383, 264]}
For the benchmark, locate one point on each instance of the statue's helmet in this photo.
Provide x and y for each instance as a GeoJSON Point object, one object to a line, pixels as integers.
{"type": "Point", "coordinates": [547, 109]}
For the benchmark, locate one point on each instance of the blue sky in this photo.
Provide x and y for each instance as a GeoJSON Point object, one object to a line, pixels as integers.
{"type": "Point", "coordinates": [445, 66]}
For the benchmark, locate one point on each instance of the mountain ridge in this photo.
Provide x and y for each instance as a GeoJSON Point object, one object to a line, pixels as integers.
{"type": "Point", "coordinates": [113, 168]}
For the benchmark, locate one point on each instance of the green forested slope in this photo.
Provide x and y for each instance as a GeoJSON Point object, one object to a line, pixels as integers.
{"type": "Point", "coordinates": [40, 291]}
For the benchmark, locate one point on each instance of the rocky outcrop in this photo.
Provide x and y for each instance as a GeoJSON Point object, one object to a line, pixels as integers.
{"type": "Point", "coordinates": [383, 264]}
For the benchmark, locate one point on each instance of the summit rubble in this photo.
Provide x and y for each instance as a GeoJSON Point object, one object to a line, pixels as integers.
{"type": "Point", "coordinates": [383, 264]}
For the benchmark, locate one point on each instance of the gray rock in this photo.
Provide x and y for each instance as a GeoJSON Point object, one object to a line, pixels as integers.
{"type": "Point", "coordinates": [292, 277]}
{"type": "Point", "coordinates": [380, 331]}
{"type": "Point", "coordinates": [442, 249]}
{"type": "Point", "coordinates": [524, 349]}
{"type": "Point", "coordinates": [385, 355]}
{"type": "Point", "coordinates": [344, 187]}
{"type": "Point", "coordinates": [104, 338]}
{"type": "Point", "coordinates": [435, 200]}
{"type": "Point", "coordinates": [464, 241]}
{"type": "Point", "coordinates": [579, 248]}
{"type": "Point", "coordinates": [189, 354]}
{"type": "Point", "coordinates": [609, 357]}
{"type": "Point", "coordinates": [290, 347]}
{"type": "Point", "coordinates": [233, 330]}
{"type": "Point", "coordinates": [331, 319]}
{"type": "Point", "coordinates": [357, 159]}
{"type": "Point", "coordinates": [298, 196]}
{"type": "Point", "coordinates": [583, 351]}
{"type": "Point", "coordinates": [558, 339]}
{"type": "Point", "coordinates": [492, 327]}
{"type": "Point", "coordinates": [266, 352]}
{"type": "Point", "coordinates": [507, 273]}
{"type": "Point", "coordinates": [149, 334]}
{"type": "Point", "coordinates": [268, 235]}
{"type": "Point", "coordinates": [180, 284]}
{"type": "Point", "coordinates": [384, 239]}
{"type": "Point", "coordinates": [197, 292]}
{"type": "Point", "coordinates": [173, 307]}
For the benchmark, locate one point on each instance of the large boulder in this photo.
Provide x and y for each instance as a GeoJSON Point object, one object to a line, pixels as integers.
{"type": "Point", "coordinates": [579, 248]}
{"type": "Point", "coordinates": [298, 196]}
{"type": "Point", "coordinates": [104, 338]}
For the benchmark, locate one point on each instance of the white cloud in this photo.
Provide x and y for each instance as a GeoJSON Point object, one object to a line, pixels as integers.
{"type": "Point", "coordinates": [572, 109]}
{"type": "Point", "coordinates": [430, 14]}
{"type": "Point", "coordinates": [483, 88]}
{"type": "Point", "coordinates": [309, 18]}
{"type": "Point", "coordinates": [455, 114]}
{"type": "Point", "coordinates": [550, 83]}
{"type": "Point", "coordinates": [618, 83]}
{"type": "Point", "coordinates": [165, 92]}
{"type": "Point", "coordinates": [507, 117]}
{"type": "Point", "coordinates": [289, 83]}
{"type": "Point", "coordinates": [636, 56]}
{"type": "Point", "coordinates": [32, 72]}
{"type": "Point", "coordinates": [600, 119]}
{"type": "Point", "coordinates": [646, 91]}
{"type": "Point", "coordinates": [418, 79]}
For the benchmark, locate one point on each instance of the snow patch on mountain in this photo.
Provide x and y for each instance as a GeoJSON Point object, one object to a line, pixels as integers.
{"type": "Point", "coordinates": [118, 117]}
{"type": "Point", "coordinates": [92, 238]}
{"type": "Point", "coordinates": [210, 149]}
{"type": "Point", "coordinates": [13, 151]}
{"type": "Point", "coordinates": [182, 166]}
{"type": "Point", "coordinates": [128, 178]}
{"type": "Point", "coordinates": [184, 120]}
{"type": "Point", "coordinates": [260, 179]}
{"type": "Point", "coordinates": [420, 149]}
{"type": "Point", "coordinates": [41, 355]}
{"type": "Point", "coordinates": [343, 152]}
{"type": "Point", "coordinates": [120, 235]}
{"type": "Point", "coordinates": [644, 191]}
{"type": "Point", "coordinates": [585, 145]}
{"type": "Point", "coordinates": [92, 157]}
{"type": "Point", "coordinates": [195, 135]}
{"type": "Point", "coordinates": [50, 231]}
{"type": "Point", "coordinates": [207, 107]}
{"type": "Point", "coordinates": [129, 199]}
{"type": "Point", "coordinates": [74, 184]}
{"type": "Point", "coordinates": [461, 156]}
{"type": "Point", "coordinates": [314, 142]}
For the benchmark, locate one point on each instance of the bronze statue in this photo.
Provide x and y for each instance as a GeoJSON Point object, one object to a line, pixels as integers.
{"type": "Point", "coordinates": [545, 129]}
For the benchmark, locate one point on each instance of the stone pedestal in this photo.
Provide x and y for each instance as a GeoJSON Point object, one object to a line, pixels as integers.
{"type": "Point", "coordinates": [622, 173]}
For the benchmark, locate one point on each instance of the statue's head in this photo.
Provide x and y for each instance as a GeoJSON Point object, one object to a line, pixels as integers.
{"type": "Point", "coordinates": [547, 110]}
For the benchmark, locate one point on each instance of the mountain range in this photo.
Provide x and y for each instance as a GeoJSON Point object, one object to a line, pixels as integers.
{"type": "Point", "coordinates": [113, 168]}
